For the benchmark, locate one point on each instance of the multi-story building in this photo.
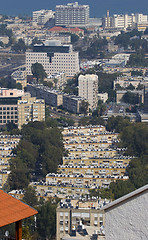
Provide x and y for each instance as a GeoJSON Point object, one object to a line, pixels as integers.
{"type": "Point", "coordinates": [82, 219]}
{"type": "Point", "coordinates": [54, 59]}
{"type": "Point", "coordinates": [30, 109]}
{"type": "Point", "coordinates": [42, 16]}
{"type": "Point", "coordinates": [93, 162]}
{"type": "Point", "coordinates": [88, 89]}
{"type": "Point", "coordinates": [72, 103]}
{"type": "Point", "coordinates": [72, 14]}
{"type": "Point", "coordinates": [124, 21]}
{"type": "Point", "coordinates": [19, 108]}
{"type": "Point", "coordinates": [7, 143]}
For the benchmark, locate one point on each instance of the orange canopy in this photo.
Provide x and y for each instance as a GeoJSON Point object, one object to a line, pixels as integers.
{"type": "Point", "coordinates": [13, 210]}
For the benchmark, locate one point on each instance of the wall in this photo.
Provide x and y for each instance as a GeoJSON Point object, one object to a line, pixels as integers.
{"type": "Point", "coordinates": [128, 221]}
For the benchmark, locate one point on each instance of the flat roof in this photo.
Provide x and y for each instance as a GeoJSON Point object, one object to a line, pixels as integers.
{"type": "Point", "coordinates": [126, 197]}
{"type": "Point", "coordinates": [13, 210]}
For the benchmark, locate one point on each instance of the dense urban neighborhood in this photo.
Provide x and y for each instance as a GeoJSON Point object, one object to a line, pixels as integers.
{"type": "Point", "coordinates": [73, 125]}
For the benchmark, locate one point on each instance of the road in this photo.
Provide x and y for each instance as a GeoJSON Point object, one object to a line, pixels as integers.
{"type": "Point", "coordinates": [10, 62]}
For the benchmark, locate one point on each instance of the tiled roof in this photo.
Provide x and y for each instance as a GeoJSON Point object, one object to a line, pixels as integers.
{"type": "Point", "coordinates": [13, 210]}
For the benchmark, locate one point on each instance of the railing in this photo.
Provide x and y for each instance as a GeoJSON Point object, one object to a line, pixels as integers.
{"type": "Point", "coordinates": [3, 237]}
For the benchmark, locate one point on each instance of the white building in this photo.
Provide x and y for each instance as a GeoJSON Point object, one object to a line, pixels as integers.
{"type": "Point", "coordinates": [54, 58]}
{"type": "Point", "coordinates": [123, 21]}
{"type": "Point", "coordinates": [72, 14]}
{"type": "Point", "coordinates": [42, 16]}
{"type": "Point", "coordinates": [88, 89]}
{"type": "Point", "coordinates": [126, 217]}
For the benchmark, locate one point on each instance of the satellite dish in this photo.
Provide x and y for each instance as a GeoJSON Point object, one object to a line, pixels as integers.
{"type": "Point", "coordinates": [6, 233]}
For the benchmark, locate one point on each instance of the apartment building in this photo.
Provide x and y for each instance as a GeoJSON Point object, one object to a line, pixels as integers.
{"type": "Point", "coordinates": [42, 16]}
{"type": "Point", "coordinates": [7, 144]}
{"type": "Point", "coordinates": [82, 219]}
{"type": "Point", "coordinates": [19, 108]}
{"type": "Point", "coordinates": [72, 14]}
{"type": "Point", "coordinates": [93, 161]}
{"type": "Point", "coordinates": [72, 103]}
{"type": "Point", "coordinates": [30, 109]}
{"type": "Point", "coordinates": [88, 89]}
{"type": "Point", "coordinates": [56, 98]}
{"type": "Point", "coordinates": [54, 59]}
{"type": "Point", "coordinates": [125, 81]}
{"type": "Point", "coordinates": [52, 97]}
{"type": "Point", "coordinates": [124, 21]}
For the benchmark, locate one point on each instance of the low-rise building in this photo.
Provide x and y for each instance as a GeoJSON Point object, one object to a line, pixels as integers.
{"type": "Point", "coordinates": [82, 219]}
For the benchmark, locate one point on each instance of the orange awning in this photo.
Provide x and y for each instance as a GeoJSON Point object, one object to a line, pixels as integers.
{"type": "Point", "coordinates": [13, 210]}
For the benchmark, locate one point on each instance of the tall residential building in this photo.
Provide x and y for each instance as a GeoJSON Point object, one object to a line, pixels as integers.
{"type": "Point", "coordinates": [72, 14]}
{"type": "Point", "coordinates": [88, 89]}
{"type": "Point", "coordinates": [19, 108]}
{"type": "Point", "coordinates": [55, 58]}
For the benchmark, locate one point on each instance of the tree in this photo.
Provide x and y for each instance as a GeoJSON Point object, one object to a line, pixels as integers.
{"type": "Point", "coordinates": [19, 46]}
{"type": "Point", "coordinates": [131, 98]}
{"type": "Point", "coordinates": [30, 196]}
{"type": "Point", "coordinates": [46, 220]}
{"type": "Point", "coordinates": [38, 72]}
{"type": "Point", "coordinates": [84, 107]}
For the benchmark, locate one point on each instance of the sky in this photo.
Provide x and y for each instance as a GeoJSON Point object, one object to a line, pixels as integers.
{"type": "Point", "coordinates": [98, 8]}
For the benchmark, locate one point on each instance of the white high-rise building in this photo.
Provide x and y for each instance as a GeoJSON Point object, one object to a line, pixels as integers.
{"type": "Point", "coordinates": [88, 89]}
{"type": "Point", "coordinates": [72, 14]}
{"type": "Point", "coordinates": [54, 58]}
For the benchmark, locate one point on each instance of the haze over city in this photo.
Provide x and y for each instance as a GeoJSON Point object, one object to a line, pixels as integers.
{"type": "Point", "coordinates": [97, 7]}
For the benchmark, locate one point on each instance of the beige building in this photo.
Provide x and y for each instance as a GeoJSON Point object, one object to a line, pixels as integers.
{"type": "Point", "coordinates": [77, 219]}
{"type": "Point", "coordinates": [88, 89]}
{"type": "Point", "coordinates": [93, 161]}
{"type": "Point", "coordinates": [30, 109]}
{"type": "Point", "coordinates": [19, 108]}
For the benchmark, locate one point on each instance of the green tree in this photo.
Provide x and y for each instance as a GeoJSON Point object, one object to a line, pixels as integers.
{"type": "Point", "coordinates": [84, 107]}
{"type": "Point", "coordinates": [130, 97]}
{"type": "Point", "coordinates": [46, 220]}
{"type": "Point", "coordinates": [38, 72]}
{"type": "Point", "coordinates": [19, 46]}
{"type": "Point", "coordinates": [30, 196]}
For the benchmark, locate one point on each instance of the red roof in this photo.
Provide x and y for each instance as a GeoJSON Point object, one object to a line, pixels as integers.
{"type": "Point", "coordinates": [54, 29]}
{"type": "Point", "coordinates": [76, 29]}
{"type": "Point", "coordinates": [13, 210]}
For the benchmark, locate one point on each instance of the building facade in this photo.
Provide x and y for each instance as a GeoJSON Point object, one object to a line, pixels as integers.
{"type": "Point", "coordinates": [88, 89]}
{"type": "Point", "coordinates": [72, 14]}
{"type": "Point", "coordinates": [54, 59]}
{"type": "Point", "coordinates": [19, 108]}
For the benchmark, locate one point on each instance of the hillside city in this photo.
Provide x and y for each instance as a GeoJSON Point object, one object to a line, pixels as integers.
{"type": "Point", "coordinates": [73, 122]}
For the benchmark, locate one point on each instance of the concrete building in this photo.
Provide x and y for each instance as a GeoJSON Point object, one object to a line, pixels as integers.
{"type": "Point", "coordinates": [30, 109]}
{"type": "Point", "coordinates": [42, 16]}
{"type": "Point", "coordinates": [72, 14]}
{"type": "Point", "coordinates": [77, 219]}
{"type": "Point", "coordinates": [92, 162]}
{"type": "Point", "coordinates": [88, 89]}
{"type": "Point", "coordinates": [126, 217]}
{"type": "Point", "coordinates": [55, 58]}
{"type": "Point", "coordinates": [124, 21]}
{"type": "Point", "coordinates": [19, 108]}
{"type": "Point", "coordinates": [72, 103]}
{"type": "Point", "coordinates": [7, 144]}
